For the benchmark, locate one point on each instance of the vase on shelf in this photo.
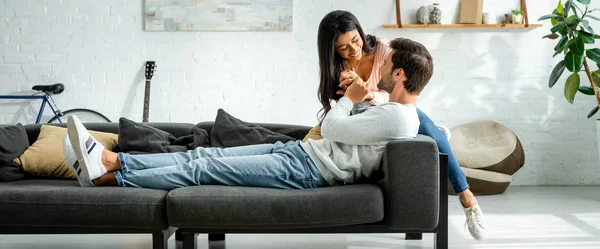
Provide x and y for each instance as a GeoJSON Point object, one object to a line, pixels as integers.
{"type": "Point", "coordinates": [436, 14]}
{"type": "Point", "coordinates": [423, 15]}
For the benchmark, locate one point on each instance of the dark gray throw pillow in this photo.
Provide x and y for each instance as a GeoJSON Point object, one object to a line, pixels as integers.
{"type": "Point", "coordinates": [13, 142]}
{"type": "Point", "coordinates": [138, 138]}
{"type": "Point", "coordinates": [229, 131]}
{"type": "Point", "coordinates": [11, 172]}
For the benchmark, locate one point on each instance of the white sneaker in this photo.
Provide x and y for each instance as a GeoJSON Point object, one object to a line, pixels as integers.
{"type": "Point", "coordinates": [476, 222]}
{"type": "Point", "coordinates": [87, 149]}
{"type": "Point", "coordinates": [74, 163]}
{"type": "Point", "coordinates": [445, 130]}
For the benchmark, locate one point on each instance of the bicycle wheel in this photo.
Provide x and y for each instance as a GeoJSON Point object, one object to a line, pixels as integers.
{"type": "Point", "coordinates": [85, 115]}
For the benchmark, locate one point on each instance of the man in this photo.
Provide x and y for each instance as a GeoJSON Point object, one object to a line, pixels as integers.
{"type": "Point", "coordinates": [347, 153]}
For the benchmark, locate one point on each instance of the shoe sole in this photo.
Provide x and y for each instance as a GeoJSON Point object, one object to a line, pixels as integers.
{"type": "Point", "coordinates": [77, 147]}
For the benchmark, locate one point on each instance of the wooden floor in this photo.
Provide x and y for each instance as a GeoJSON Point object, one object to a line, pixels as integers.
{"type": "Point", "coordinates": [523, 217]}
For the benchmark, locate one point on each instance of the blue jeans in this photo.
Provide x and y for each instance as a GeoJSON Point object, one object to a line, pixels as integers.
{"type": "Point", "coordinates": [278, 165]}
{"type": "Point", "coordinates": [457, 178]}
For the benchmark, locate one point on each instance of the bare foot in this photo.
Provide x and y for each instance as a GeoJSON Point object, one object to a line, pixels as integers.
{"type": "Point", "coordinates": [467, 199]}
{"type": "Point", "coordinates": [110, 160]}
{"type": "Point", "coordinates": [107, 179]}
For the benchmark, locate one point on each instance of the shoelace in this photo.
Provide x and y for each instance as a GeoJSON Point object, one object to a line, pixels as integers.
{"type": "Point", "coordinates": [472, 214]}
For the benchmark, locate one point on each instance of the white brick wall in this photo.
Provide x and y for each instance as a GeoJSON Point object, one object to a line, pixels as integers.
{"type": "Point", "coordinates": [98, 48]}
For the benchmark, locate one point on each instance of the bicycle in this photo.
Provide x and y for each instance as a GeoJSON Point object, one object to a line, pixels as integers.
{"type": "Point", "coordinates": [85, 115]}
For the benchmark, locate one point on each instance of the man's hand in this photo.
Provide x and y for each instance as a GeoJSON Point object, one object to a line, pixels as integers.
{"type": "Point", "coordinates": [357, 91]}
{"type": "Point", "coordinates": [349, 77]}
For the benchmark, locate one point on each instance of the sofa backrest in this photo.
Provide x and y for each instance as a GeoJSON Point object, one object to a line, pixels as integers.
{"type": "Point", "coordinates": [295, 131]}
{"type": "Point", "coordinates": [177, 129]}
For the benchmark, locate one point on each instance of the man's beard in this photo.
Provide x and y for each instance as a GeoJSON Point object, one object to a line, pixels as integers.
{"type": "Point", "coordinates": [386, 84]}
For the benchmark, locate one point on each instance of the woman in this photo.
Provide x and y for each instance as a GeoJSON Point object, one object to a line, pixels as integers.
{"type": "Point", "coordinates": [345, 49]}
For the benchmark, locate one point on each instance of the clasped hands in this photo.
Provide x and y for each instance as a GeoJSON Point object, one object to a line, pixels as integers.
{"type": "Point", "coordinates": [354, 88]}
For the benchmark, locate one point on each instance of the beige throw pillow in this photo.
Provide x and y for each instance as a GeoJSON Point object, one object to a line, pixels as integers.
{"type": "Point", "coordinates": [45, 157]}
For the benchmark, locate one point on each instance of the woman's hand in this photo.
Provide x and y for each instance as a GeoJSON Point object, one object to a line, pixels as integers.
{"type": "Point", "coordinates": [347, 78]}
{"type": "Point", "coordinates": [357, 91]}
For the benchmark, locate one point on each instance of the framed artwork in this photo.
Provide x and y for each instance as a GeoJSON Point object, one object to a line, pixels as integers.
{"type": "Point", "coordinates": [218, 15]}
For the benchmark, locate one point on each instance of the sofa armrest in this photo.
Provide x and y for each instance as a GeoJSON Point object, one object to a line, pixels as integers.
{"type": "Point", "coordinates": [411, 184]}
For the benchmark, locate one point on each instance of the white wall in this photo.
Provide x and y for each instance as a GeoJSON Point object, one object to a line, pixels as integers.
{"type": "Point", "coordinates": [98, 48]}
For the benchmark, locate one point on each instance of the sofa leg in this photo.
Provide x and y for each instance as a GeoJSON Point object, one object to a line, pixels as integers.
{"type": "Point", "coordinates": [178, 236]}
{"type": "Point", "coordinates": [160, 239]}
{"type": "Point", "coordinates": [441, 236]}
{"type": "Point", "coordinates": [414, 236]}
{"type": "Point", "coordinates": [216, 237]}
{"type": "Point", "coordinates": [189, 240]}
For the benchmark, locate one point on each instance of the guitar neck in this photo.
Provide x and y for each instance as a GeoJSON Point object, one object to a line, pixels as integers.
{"type": "Point", "coordinates": [146, 101]}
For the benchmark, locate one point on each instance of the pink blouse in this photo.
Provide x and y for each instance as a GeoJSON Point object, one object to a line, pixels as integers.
{"type": "Point", "coordinates": [381, 52]}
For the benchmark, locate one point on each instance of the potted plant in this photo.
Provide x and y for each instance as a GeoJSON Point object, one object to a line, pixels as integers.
{"type": "Point", "coordinates": [571, 26]}
{"type": "Point", "coordinates": [517, 16]}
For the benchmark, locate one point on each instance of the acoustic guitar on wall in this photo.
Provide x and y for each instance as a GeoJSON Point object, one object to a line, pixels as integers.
{"type": "Point", "coordinates": [150, 65]}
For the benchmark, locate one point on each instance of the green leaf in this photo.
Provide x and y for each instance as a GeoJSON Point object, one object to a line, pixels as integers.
{"type": "Point", "coordinates": [573, 61]}
{"type": "Point", "coordinates": [584, 1]}
{"type": "Point", "coordinates": [559, 9]}
{"type": "Point", "coordinates": [593, 17]}
{"type": "Point", "coordinates": [578, 47]}
{"type": "Point", "coordinates": [556, 73]}
{"type": "Point", "coordinates": [553, 36]}
{"type": "Point", "coordinates": [544, 17]}
{"type": "Point", "coordinates": [561, 25]}
{"type": "Point", "coordinates": [593, 111]}
{"type": "Point", "coordinates": [593, 54]}
{"type": "Point", "coordinates": [562, 43]}
{"type": "Point", "coordinates": [586, 90]}
{"type": "Point", "coordinates": [587, 26]}
{"type": "Point", "coordinates": [587, 37]}
{"type": "Point", "coordinates": [571, 87]}
{"type": "Point", "coordinates": [572, 21]}
{"type": "Point", "coordinates": [553, 20]}
{"type": "Point", "coordinates": [568, 5]}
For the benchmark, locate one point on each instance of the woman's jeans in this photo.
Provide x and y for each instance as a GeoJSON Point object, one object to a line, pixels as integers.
{"type": "Point", "coordinates": [278, 165]}
{"type": "Point", "coordinates": [455, 174]}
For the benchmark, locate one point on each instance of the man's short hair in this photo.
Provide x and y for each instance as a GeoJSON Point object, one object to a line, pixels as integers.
{"type": "Point", "coordinates": [416, 61]}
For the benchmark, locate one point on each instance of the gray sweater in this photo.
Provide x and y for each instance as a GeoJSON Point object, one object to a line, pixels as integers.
{"type": "Point", "coordinates": [353, 144]}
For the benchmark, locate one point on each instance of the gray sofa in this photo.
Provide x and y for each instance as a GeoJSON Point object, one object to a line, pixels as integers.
{"type": "Point", "coordinates": [408, 196]}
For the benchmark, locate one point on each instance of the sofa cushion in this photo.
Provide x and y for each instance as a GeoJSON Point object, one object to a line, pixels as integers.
{"type": "Point", "coordinates": [13, 142]}
{"type": "Point", "coordinates": [230, 131]}
{"type": "Point", "coordinates": [64, 203]}
{"type": "Point", "coordinates": [46, 158]}
{"type": "Point", "coordinates": [141, 137]}
{"type": "Point", "coordinates": [242, 208]}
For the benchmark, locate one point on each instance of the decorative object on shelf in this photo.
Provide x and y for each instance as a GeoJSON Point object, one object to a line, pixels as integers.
{"type": "Point", "coordinates": [436, 14]}
{"type": "Point", "coordinates": [485, 18]}
{"type": "Point", "coordinates": [503, 25]}
{"type": "Point", "coordinates": [517, 16]}
{"type": "Point", "coordinates": [423, 15]}
{"type": "Point", "coordinates": [218, 15]}
{"type": "Point", "coordinates": [507, 18]}
{"type": "Point", "coordinates": [470, 11]}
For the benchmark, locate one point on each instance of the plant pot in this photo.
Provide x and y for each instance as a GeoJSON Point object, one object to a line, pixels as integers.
{"type": "Point", "coordinates": [517, 19]}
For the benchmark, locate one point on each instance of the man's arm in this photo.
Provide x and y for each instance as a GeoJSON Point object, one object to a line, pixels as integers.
{"type": "Point", "coordinates": [368, 128]}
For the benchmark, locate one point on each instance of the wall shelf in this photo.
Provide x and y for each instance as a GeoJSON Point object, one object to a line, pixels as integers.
{"type": "Point", "coordinates": [525, 24]}
{"type": "Point", "coordinates": [458, 26]}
